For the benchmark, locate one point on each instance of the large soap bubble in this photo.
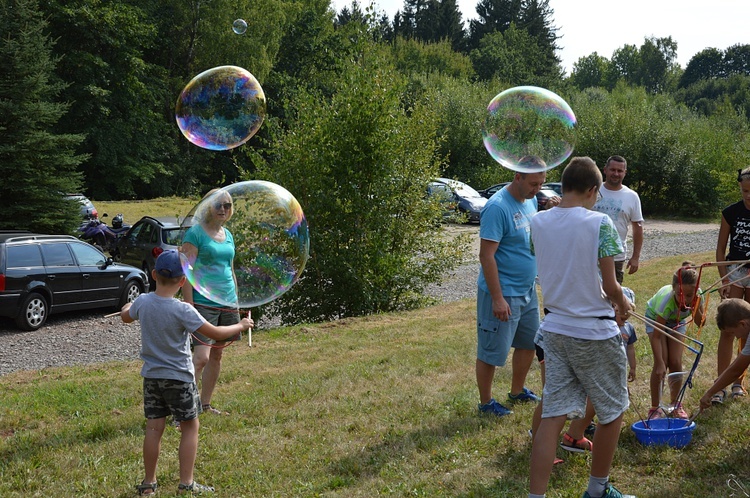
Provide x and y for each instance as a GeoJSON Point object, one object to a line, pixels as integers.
{"type": "Point", "coordinates": [529, 129]}
{"type": "Point", "coordinates": [271, 241]}
{"type": "Point", "coordinates": [239, 26]}
{"type": "Point", "coordinates": [221, 108]}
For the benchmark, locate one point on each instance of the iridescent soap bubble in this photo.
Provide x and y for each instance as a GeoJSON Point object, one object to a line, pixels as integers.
{"type": "Point", "coordinates": [221, 108]}
{"type": "Point", "coordinates": [239, 26]}
{"type": "Point", "coordinates": [272, 243]}
{"type": "Point", "coordinates": [529, 129]}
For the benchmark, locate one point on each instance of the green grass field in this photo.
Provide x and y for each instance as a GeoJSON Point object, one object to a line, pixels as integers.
{"type": "Point", "coordinates": [375, 406]}
{"type": "Point", "coordinates": [133, 211]}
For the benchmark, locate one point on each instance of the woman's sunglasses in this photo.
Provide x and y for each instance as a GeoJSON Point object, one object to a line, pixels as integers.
{"type": "Point", "coordinates": [226, 205]}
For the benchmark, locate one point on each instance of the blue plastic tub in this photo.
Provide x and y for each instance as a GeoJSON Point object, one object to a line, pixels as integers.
{"type": "Point", "coordinates": [675, 432]}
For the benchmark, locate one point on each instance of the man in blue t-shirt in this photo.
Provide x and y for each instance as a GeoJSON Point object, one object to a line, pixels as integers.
{"type": "Point", "coordinates": [507, 304]}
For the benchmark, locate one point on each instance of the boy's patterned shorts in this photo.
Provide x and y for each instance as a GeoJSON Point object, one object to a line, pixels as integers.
{"type": "Point", "coordinates": [163, 397]}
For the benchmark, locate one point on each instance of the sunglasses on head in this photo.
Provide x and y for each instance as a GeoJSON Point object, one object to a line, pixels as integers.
{"type": "Point", "coordinates": [226, 205]}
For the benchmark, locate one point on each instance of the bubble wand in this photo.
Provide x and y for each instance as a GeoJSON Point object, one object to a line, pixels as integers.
{"type": "Point", "coordinates": [740, 264]}
{"type": "Point", "coordinates": [229, 341]}
{"type": "Point", "coordinates": [668, 332]}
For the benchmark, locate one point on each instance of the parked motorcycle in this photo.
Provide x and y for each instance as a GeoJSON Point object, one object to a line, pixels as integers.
{"type": "Point", "coordinates": [103, 237]}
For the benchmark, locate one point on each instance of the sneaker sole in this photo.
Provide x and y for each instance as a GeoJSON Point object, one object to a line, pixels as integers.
{"type": "Point", "coordinates": [493, 414]}
{"type": "Point", "coordinates": [517, 401]}
{"type": "Point", "coordinates": [573, 449]}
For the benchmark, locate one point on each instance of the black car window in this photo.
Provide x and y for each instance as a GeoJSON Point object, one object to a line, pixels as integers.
{"type": "Point", "coordinates": [24, 256]}
{"type": "Point", "coordinates": [146, 234]}
{"type": "Point", "coordinates": [136, 230]}
{"type": "Point", "coordinates": [57, 254]}
{"type": "Point", "coordinates": [154, 235]}
{"type": "Point", "coordinates": [87, 255]}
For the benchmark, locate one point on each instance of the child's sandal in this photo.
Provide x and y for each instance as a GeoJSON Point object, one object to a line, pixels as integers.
{"type": "Point", "coordinates": [146, 488]}
{"type": "Point", "coordinates": [194, 488]}
{"type": "Point", "coordinates": [738, 391]}
{"type": "Point", "coordinates": [575, 445]}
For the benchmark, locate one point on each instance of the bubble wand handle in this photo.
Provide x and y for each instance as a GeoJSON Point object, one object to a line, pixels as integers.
{"type": "Point", "coordinates": [695, 415]}
{"type": "Point", "coordinates": [249, 332]}
{"type": "Point", "coordinates": [666, 330]}
{"type": "Point", "coordinates": [739, 264]}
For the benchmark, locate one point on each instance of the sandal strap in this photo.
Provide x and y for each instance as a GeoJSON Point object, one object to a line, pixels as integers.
{"type": "Point", "coordinates": [576, 443]}
{"type": "Point", "coordinates": [208, 408]}
{"type": "Point", "coordinates": [146, 486]}
{"type": "Point", "coordinates": [195, 487]}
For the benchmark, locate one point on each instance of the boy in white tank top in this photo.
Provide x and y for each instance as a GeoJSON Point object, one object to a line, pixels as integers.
{"type": "Point", "coordinates": [584, 351]}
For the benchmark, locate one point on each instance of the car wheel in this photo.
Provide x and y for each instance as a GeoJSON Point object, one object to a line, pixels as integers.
{"type": "Point", "coordinates": [132, 291]}
{"type": "Point", "coordinates": [33, 312]}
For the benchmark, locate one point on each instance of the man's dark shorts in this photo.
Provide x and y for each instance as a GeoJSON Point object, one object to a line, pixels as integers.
{"type": "Point", "coordinates": [620, 271]}
{"type": "Point", "coordinates": [164, 397]}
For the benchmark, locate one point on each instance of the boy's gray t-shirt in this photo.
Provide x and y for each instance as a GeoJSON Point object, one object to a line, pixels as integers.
{"type": "Point", "coordinates": [166, 324]}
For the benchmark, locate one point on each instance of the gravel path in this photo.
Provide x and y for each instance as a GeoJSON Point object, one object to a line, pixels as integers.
{"type": "Point", "coordinates": [87, 337]}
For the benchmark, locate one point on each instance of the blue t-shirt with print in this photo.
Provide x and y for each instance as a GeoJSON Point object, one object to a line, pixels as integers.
{"type": "Point", "coordinates": [508, 222]}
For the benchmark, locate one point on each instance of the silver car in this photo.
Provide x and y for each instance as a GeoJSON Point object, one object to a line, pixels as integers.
{"type": "Point", "coordinates": [458, 197]}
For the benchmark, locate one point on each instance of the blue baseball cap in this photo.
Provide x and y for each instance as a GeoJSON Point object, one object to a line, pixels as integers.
{"type": "Point", "coordinates": [168, 264]}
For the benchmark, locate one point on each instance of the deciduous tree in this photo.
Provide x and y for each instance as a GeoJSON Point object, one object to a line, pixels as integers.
{"type": "Point", "coordinates": [590, 71]}
{"type": "Point", "coordinates": [706, 64]}
{"type": "Point", "coordinates": [359, 164]}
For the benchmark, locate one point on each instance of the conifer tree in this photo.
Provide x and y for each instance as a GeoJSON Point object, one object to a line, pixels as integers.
{"type": "Point", "coordinates": [36, 165]}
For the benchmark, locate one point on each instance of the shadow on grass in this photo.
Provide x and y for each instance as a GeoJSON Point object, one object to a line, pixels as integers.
{"type": "Point", "coordinates": [396, 446]}
{"type": "Point", "coordinates": [34, 444]}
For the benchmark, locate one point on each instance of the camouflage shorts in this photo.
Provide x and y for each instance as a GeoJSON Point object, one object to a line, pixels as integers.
{"type": "Point", "coordinates": [163, 397]}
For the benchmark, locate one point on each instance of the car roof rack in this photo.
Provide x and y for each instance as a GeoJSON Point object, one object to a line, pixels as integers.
{"type": "Point", "coordinates": [26, 236]}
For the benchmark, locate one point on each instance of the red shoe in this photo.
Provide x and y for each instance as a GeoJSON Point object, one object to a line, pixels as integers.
{"type": "Point", "coordinates": [655, 413]}
{"type": "Point", "coordinates": [679, 411]}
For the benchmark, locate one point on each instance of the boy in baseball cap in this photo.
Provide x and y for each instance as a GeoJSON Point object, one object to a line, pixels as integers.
{"type": "Point", "coordinates": [168, 374]}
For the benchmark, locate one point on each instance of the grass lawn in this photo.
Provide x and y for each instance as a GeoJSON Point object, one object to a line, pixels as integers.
{"type": "Point", "coordinates": [378, 405]}
{"type": "Point", "coordinates": [133, 211]}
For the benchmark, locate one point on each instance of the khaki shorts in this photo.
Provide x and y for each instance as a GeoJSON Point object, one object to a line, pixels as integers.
{"type": "Point", "coordinates": [215, 316]}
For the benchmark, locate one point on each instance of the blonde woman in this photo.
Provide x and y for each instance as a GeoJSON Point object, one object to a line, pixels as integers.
{"type": "Point", "coordinates": [209, 247]}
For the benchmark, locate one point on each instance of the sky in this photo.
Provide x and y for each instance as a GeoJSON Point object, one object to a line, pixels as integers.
{"type": "Point", "coordinates": [601, 26]}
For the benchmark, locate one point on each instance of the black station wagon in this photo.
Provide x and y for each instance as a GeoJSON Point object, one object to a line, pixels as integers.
{"type": "Point", "coordinates": [45, 274]}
